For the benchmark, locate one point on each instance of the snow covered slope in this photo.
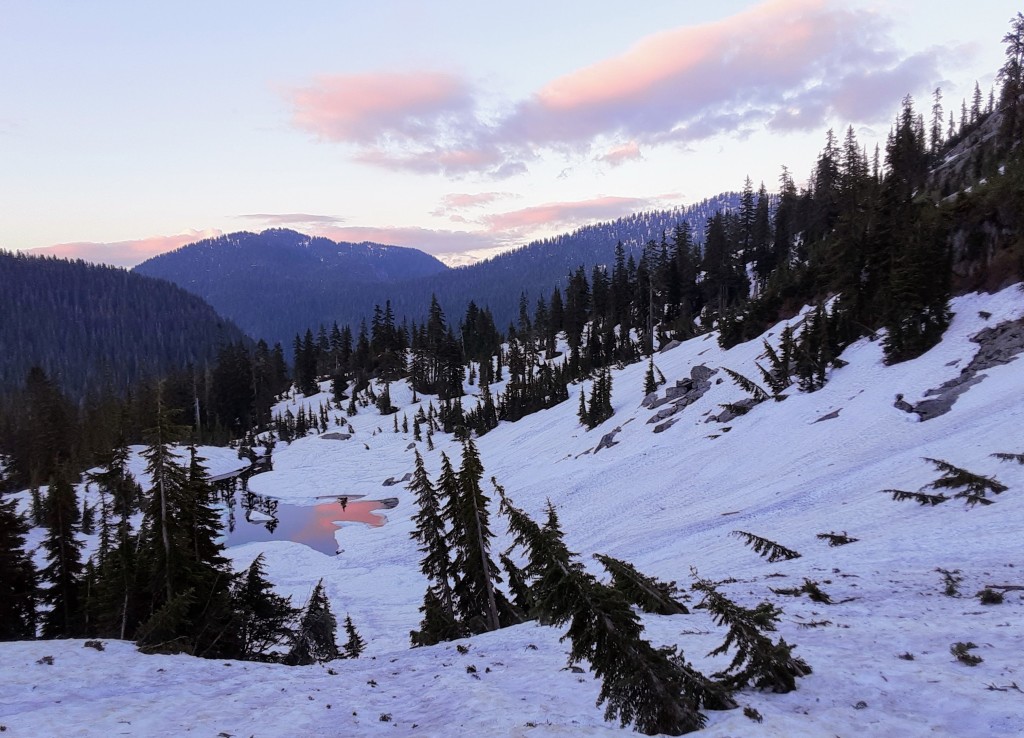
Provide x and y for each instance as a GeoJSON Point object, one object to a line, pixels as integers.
{"type": "Point", "coordinates": [668, 501]}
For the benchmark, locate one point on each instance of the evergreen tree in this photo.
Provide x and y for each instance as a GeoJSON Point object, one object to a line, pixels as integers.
{"type": "Point", "coordinates": [64, 569]}
{"type": "Point", "coordinates": [654, 689]}
{"type": "Point", "coordinates": [355, 644]}
{"type": "Point", "coordinates": [757, 660]}
{"type": "Point", "coordinates": [650, 383]}
{"type": "Point", "coordinates": [430, 532]}
{"type": "Point", "coordinates": [18, 588]}
{"type": "Point", "coordinates": [476, 603]}
{"type": "Point", "coordinates": [314, 640]}
{"type": "Point", "coordinates": [262, 618]}
{"type": "Point", "coordinates": [186, 576]}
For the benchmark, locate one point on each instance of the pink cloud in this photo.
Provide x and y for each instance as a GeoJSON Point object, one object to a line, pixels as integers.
{"type": "Point", "coordinates": [568, 213]}
{"type": "Point", "coordinates": [457, 201]}
{"type": "Point", "coordinates": [783, 65]}
{"type": "Point", "coordinates": [123, 253]}
{"type": "Point", "coordinates": [621, 154]}
{"type": "Point", "coordinates": [365, 108]}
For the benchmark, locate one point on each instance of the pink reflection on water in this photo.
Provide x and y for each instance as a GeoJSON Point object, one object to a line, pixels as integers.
{"type": "Point", "coordinates": [313, 525]}
{"type": "Point", "coordinates": [323, 519]}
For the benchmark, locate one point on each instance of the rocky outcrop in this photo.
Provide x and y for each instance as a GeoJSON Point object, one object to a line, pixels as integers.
{"type": "Point", "coordinates": [684, 392]}
{"type": "Point", "coordinates": [608, 439]}
{"type": "Point", "coordinates": [999, 345]}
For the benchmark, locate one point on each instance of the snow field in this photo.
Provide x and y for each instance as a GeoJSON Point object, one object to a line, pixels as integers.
{"type": "Point", "coordinates": [665, 502]}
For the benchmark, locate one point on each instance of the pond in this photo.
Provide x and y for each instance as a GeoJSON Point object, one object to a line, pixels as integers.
{"type": "Point", "coordinates": [253, 518]}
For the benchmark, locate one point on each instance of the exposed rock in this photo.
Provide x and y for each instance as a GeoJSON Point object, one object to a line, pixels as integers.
{"type": "Point", "coordinates": [410, 447]}
{"type": "Point", "coordinates": [336, 436]}
{"type": "Point", "coordinates": [650, 399]}
{"type": "Point", "coordinates": [669, 346]}
{"type": "Point", "coordinates": [999, 345]}
{"type": "Point", "coordinates": [831, 416]}
{"type": "Point", "coordinates": [666, 425]}
{"type": "Point", "coordinates": [701, 373]}
{"type": "Point", "coordinates": [680, 390]}
{"type": "Point", "coordinates": [608, 439]}
{"type": "Point", "coordinates": [902, 404]}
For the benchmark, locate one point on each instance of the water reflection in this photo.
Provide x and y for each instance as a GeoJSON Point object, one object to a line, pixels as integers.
{"type": "Point", "coordinates": [252, 518]}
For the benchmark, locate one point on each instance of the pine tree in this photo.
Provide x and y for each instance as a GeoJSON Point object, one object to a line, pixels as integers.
{"type": "Point", "coordinates": [973, 486]}
{"type": "Point", "coordinates": [650, 383]}
{"type": "Point", "coordinates": [262, 618]}
{"type": "Point", "coordinates": [647, 593]}
{"type": "Point", "coordinates": [768, 549]}
{"type": "Point", "coordinates": [64, 569]}
{"type": "Point", "coordinates": [654, 689]}
{"type": "Point", "coordinates": [476, 603]}
{"type": "Point", "coordinates": [355, 643]}
{"type": "Point", "coordinates": [116, 600]}
{"type": "Point", "coordinates": [757, 660]}
{"type": "Point", "coordinates": [18, 588]}
{"type": "Point", "coordinates": [181, 561]}
{"type": "Point", "coordinates": [430, 531]}
{"type": "Point", "coordinates": [314, 640]}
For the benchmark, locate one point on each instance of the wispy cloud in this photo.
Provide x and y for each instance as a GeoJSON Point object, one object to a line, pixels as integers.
{"type": "Point", "coordinates": [291, 219]}
{"type": "Point", "coordinates": [457, 202]}
{"type": "Point", "coordinates": [619, 155]}
{"type": "Point", "coordinates": [432, 241]}
{"type": "Point", "coordinates": [123, 253]}
{"type": "Point", "coordinates": [783, 65]}
{"type": "Point", "coordinates": [567, 214]}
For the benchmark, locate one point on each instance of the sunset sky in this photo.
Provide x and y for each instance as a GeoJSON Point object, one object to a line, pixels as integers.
{"type": "Point", "coordinates": [128, 128]}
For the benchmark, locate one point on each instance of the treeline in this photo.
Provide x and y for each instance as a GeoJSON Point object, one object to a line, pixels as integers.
{"type": "Point", "coordinates": [164, 583]}
{"type": "Point", "coordinates": [42, 429]}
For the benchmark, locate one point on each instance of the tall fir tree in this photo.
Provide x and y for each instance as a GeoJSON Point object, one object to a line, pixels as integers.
{"type": "Point", "coordinates": [314, 640]}
{"type": "Point", "coordinates": [18, 587]}
{"type": "Point", "coordinates": [64, 569]}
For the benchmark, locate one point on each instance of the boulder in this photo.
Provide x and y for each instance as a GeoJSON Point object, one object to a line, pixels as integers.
{"type": "Point", "coordinates": [701, 373]}
{"type": "Point", "coordinates": [650, 399]}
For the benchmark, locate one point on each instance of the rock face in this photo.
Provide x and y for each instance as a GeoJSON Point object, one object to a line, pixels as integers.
{"type": "Point", "coordinates": [684, 393]}
{"type": "Point", "coordinates": [999, 345]}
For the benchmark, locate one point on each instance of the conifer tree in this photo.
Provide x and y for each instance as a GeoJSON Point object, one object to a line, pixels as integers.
{"type": "Point", "coordinates": [650, 383]}
{"type": "Point", "coordinates": [973, 486]}
{"type": "Point", "coordinates": [654, 689]}
{"type": "Point", "coordinates": [18, 588]}
{"type": "Point", "coordinates": [476, 603]}
{"type": "Point", "coordinates": [430, 530]}
{"type": "Point", "coordinates": [355, 644]}
{"type": "Point", "coordinates": [262, 618]}
{"type": "Point", "coordinates": [314, 640]}
{"type": "Point", "coordinates": [64, 569]}
{"type": "Point", "coordinates": [769, 549]}
{"type": "Point", "coordinates": [757, 660]}
{"type": "Point", "coordinates": [186, 576]}
{"type": "Point", "coordinates": [647, 593]}
{"type": "Point", "coordinates": [116, 601]}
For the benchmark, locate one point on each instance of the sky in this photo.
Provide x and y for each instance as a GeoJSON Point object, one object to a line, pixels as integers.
{"type": "Point", "coordinates": [460, 128]}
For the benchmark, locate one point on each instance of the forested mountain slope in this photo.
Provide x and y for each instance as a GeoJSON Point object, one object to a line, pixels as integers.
{"type": "Point", "coordinates": [279, 282]}
{"type": "Point", "coordinates": [93, 328]}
